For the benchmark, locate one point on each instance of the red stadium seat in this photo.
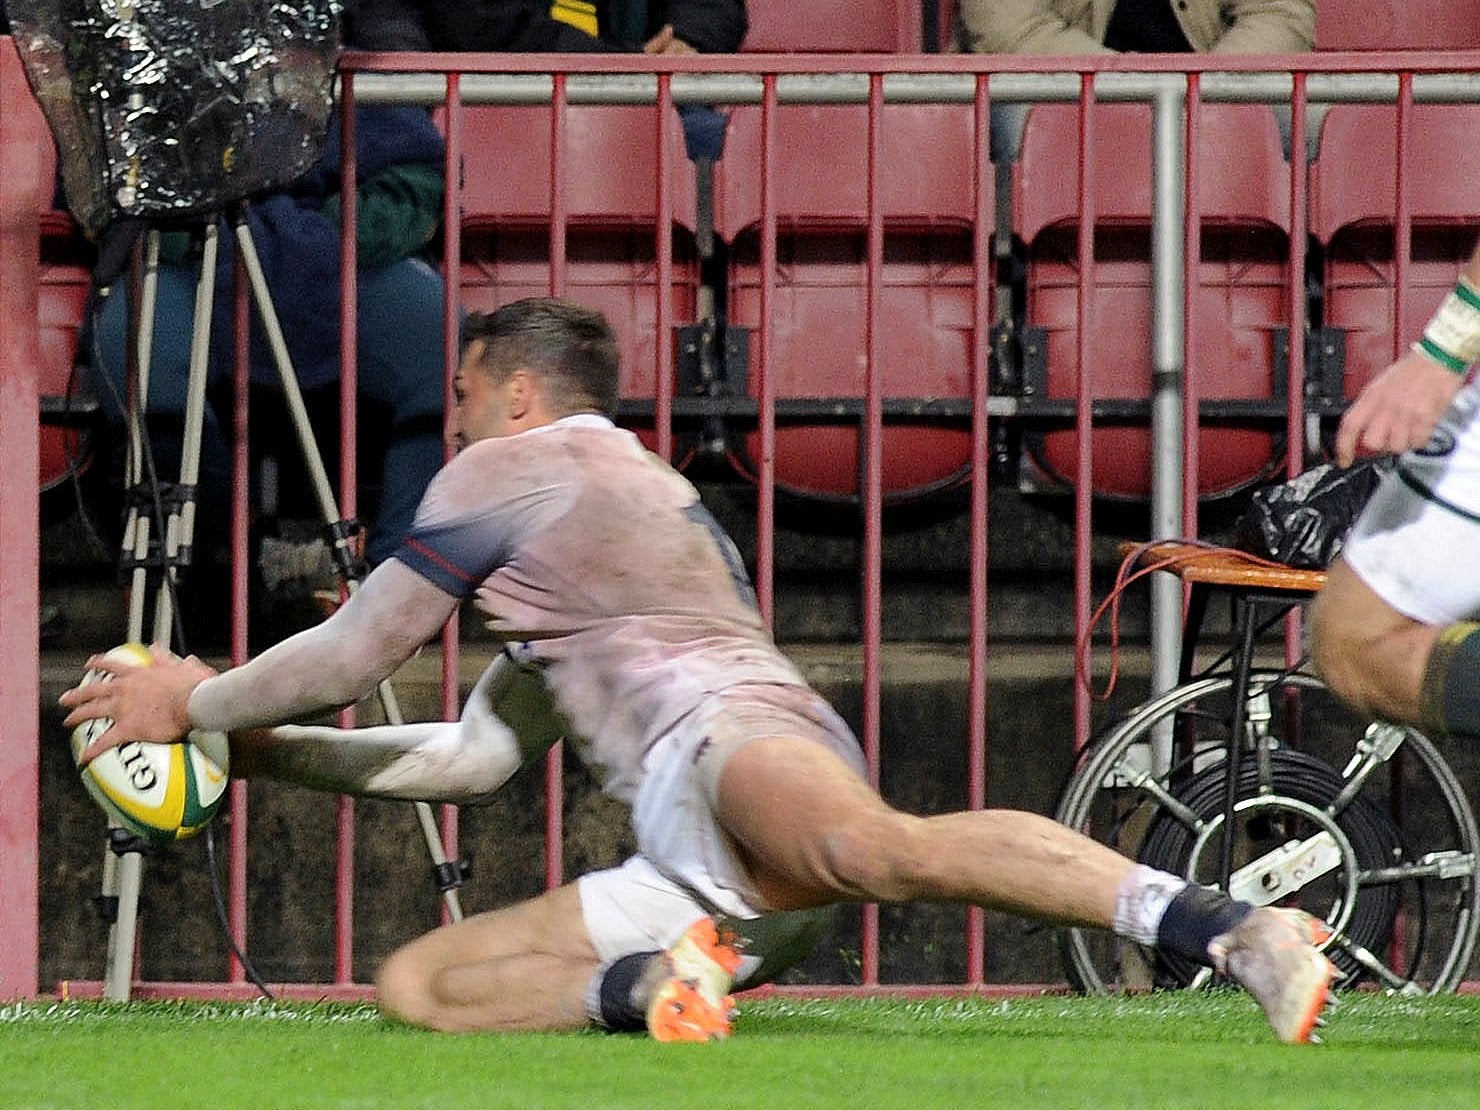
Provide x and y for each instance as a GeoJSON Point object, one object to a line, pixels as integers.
{"type": "Point", "coordinates": [1353, 200]}
{"type": "Point", "coordinates": [1398, 24]}
{"type": "Point", "coordinates": [62, 299]}
{"type": "Point", "coordinates": [62, 285]}
{"type": "Point", "coordinates": [833, 26]}
{"type": "Point", "coordinates": [61, 305]}
{"type": "Point", "coordinates": [818, 320]}
{"type": "Point", "coordinates": [610, 204]}
{"type": "Point", "coordinates": [1241, 299]}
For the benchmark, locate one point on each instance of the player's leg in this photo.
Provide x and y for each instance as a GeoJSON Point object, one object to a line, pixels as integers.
{"type": "Point", "coordinates": [1393, 631]}
{"type": "Point", "coordinates": [521, 968]}
{"type": "Point", "coordinates": [625, 948]}
{"type": "Point", "coordinates": [1371, 655]}
{"type": "Point", "coordinates": [665, 966]}
{"type": "Point", "coordinates": [824, 834]}
{"type": "Point", "coordinates": [670, 956]}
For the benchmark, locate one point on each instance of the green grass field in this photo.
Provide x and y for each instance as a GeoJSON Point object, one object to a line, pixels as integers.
{"type": "Point", "coordinates": [1174, 1050]}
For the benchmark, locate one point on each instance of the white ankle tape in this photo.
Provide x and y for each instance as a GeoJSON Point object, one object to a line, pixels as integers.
{"type": "Point", "coordinates": [1142, 900]}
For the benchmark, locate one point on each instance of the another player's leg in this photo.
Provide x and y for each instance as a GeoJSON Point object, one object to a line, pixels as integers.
{"type": "Point", "coordinates": [1387, 665]}
{"type": "Point", "coordinates": [1394, 631]}
{"type": "Point", "coordinates": [825, 835]}
{"type": "Point", "coordinates": [1372, 656]}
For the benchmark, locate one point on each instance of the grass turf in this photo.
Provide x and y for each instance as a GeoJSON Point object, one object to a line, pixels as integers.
{"type": "Point", "coordinates": [1167, 1050]}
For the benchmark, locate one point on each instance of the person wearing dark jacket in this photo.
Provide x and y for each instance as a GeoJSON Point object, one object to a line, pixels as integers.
{"type": "Point", "coordinates": [547, 26]}
{"type": "Point", "coordinates": [296, 232]}
{"type": "Point", "coordinates": [561, 26]}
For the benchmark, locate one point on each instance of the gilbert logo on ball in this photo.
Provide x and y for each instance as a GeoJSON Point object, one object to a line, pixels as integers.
{"type": "Point", "coordinates": [161, 792]}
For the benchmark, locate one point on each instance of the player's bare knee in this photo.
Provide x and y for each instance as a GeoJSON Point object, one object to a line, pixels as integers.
{"type": "Point", "coordinates": [403, 992]}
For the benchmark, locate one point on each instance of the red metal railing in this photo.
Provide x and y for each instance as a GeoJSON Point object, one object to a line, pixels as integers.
{"type": "Point", "coordinates": [22, 193]}
{"type": "Point", "coordinates": [766, 76]}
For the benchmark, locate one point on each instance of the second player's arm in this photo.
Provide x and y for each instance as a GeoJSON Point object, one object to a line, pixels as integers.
{"type": "Point", "coordinates": [1397, 410]}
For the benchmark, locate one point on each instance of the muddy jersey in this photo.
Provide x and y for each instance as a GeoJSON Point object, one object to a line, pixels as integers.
{"type": "Point", "coordinates": [595, 560]}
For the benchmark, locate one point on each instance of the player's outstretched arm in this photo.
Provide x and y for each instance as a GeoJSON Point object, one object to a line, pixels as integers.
{"type": "Point", "coordinates": [146, 701]}
{"type": "Point", "coordinates": [509, 720]}
{"type": "Point", "coordinates": [320, 669]}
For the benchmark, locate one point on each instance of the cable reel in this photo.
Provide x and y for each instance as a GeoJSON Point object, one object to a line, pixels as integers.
{"type": "Point", "coordinates": [1296, 851]}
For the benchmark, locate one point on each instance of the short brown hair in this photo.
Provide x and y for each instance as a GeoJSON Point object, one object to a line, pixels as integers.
{"type": "Point", "coordinates": [571, 347]}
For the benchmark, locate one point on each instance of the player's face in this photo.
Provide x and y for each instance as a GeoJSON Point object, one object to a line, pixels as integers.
{"type": "Point", "coordinates": [482, 406]}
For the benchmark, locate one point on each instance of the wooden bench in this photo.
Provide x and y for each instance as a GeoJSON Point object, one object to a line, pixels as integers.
{"type": "Point", "coordinates": [1261, 591]}
{"type": "Point", "coordinates": [1223, 566]}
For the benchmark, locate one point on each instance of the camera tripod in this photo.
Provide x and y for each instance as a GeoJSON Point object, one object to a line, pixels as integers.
{"type": "Point", "coordinates": [159, 528]}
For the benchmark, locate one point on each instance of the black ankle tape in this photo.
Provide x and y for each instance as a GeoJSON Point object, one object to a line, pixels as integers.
{"type": "Point", "coordinates": [620, 1011]}
{"type": "Point", "coordinates": [1194, 917]}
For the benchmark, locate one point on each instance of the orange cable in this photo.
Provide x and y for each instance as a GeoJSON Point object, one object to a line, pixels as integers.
{"type": "Point", "coordinates": [1123, 580]}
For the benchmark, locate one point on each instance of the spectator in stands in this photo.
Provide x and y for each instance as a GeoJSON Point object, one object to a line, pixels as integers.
{"type": "Point", "coordinates": [562, 26]}
{"type": "Point", "coordinates": [548, 26]}
{"type": "Point", "coordinates": [296, 233]}
{"type": "Point", "coordinates": [1116, 26]}
{"type": "Point", "coordinates": [1147, 26]}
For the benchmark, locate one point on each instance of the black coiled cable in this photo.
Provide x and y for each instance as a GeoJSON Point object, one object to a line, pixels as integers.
{"type": "Point", "coordinates": [1375, 841]}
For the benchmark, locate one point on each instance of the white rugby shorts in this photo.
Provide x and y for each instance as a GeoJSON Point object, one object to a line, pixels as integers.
{"type": "Point", "coordinates": [1417, 542]}
{"type": "Point", "coordinates": [685, 866]}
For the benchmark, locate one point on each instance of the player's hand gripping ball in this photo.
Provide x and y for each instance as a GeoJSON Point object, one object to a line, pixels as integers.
{"type": "Point", "coordinates": [161, 792]}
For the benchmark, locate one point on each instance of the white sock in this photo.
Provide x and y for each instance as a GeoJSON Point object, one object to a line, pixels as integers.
{"type": "Point", "coordinates": [1141, 901]}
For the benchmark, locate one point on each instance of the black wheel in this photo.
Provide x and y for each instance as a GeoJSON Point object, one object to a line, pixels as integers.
{"type": "Point", "coordinates": [1362, 824]}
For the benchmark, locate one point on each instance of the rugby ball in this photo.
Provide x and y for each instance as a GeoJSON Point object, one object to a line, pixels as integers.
{"type": "Point", "coordinates": [161, 792]}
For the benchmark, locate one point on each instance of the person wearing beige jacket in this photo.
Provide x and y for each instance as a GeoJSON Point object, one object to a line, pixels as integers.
{"type": "Point", "coordinates": [1116, 26]}
{"type": "Point", "coordinates": [1110, 26]}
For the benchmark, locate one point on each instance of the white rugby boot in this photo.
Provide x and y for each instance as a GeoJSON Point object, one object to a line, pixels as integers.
{"type": "Point", "coordinates": [1273, 954]}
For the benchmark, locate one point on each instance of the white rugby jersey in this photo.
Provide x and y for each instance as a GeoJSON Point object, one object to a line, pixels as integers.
{"type": "Point", "coordinates": [593, 558]}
